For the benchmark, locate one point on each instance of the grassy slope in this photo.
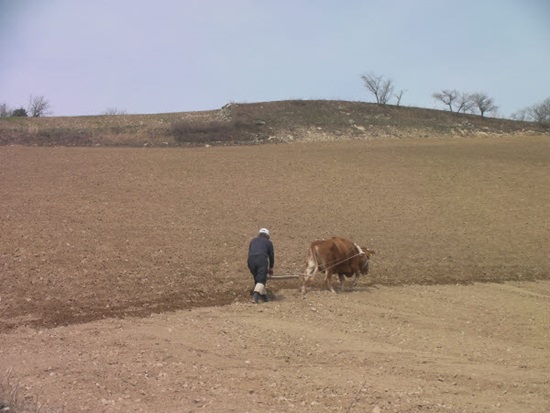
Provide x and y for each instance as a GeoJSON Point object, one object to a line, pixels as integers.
{"type": "Point", "coordinates": [281, 121]}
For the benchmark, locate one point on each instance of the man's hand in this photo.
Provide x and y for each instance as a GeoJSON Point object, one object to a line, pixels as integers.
{"type": "Point", "coordinates": [270, 271]}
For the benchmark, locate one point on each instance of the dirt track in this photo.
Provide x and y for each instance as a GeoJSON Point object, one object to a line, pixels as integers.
{"type": "Point", "coordinates": [93, 233]}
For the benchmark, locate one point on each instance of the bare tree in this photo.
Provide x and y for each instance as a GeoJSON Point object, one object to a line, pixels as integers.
{"type": "Point", "coordinates": [483, 103]}
{"type": "Point", "coordinates": [446, 96]}
{"type": "Point", "coordinates": [114, 112]}
{"type": "Point", "coordinates": [541, 111]}
{"type": "Point", "coordinates": [386, 91]}
{"type": "Point", "coordinates": [5, 111]}
{"type": "Point", "coordinates": [521, 115]}
{"type": "Point", "coordinates": [38, 106]}
{"type": "Point", "coordinates": [398, 97]}
{"type": "Point", "coordinates": [381, 88]}
{"type": "Point", "coordinates": [464, 102]}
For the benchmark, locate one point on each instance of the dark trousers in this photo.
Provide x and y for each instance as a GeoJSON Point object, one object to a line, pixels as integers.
{"type": "Point", "coordinates": [257, 264]}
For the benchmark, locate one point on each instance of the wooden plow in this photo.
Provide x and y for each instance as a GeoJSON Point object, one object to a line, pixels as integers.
{"type": "Point", "coordinates": [283, 277]}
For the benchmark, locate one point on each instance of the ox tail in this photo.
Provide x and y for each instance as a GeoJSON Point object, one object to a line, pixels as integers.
{"type": "Point", "coordinates": [311, 268]}
{"type": "Point", "coordinates": [312, 260]}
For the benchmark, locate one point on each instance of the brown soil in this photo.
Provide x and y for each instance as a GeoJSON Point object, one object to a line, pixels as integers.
{"type": "Point", "coordinates": [106, 253]}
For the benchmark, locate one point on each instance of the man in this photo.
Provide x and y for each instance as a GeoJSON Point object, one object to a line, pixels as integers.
{"type": "Point", "coordinates": [261, 259]}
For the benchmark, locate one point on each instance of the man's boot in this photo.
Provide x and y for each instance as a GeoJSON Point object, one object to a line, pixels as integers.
{"type": "Point", "coordinates": [265, 298]}
{"type": "Point", "coordinates": [255, 298]}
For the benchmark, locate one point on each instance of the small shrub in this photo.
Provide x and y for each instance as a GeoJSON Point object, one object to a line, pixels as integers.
{"type": "Point", "coordinates": [208, 132]}
{"type": "Point", "coordinates": [114, 112]}
{"type": "Point", "coordinates": [21, 112]}
{"type": "Point", "coordinates": [64, 137]}
{"type": "Point", "coordinates": [49, 137]}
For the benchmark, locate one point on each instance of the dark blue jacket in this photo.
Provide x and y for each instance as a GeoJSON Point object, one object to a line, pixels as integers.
{"type": "Point", "coordinates": [262, 246]}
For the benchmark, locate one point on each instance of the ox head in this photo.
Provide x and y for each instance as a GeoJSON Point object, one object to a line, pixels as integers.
{"type": "Point", "coordinates": [364, 258]}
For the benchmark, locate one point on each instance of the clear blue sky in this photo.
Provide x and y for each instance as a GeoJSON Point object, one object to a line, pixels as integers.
{"type": "Point", "coordinates": [154, 56]}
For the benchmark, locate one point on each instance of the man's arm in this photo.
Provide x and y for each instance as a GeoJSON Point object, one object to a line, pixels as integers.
{"type": "Point", "coordinates": [271, 254]}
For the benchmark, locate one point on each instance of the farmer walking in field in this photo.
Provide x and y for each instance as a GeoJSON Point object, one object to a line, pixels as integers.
{"type": "Point", "coordinates": [261, 259]}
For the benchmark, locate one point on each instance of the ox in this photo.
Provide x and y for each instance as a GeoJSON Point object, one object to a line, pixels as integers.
{"type": "Point", "coordinates": [336, 255]}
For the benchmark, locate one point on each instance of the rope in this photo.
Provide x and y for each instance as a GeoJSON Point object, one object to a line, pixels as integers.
{"type": "Point", "coordinates": [291, 276]}
{"type": "Point", "coordinates": [340, 262]}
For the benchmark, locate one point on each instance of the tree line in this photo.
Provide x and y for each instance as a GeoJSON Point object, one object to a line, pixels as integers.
{"type": "Point", "coordinates": [383, 91]}
{"type": "Point", "coordinates": [539, 112]}
{"type": "Point", "coordinates": [37, 106]}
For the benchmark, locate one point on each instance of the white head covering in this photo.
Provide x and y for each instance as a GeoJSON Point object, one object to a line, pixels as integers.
{"type": "Point", "coordinates": [264, 231]}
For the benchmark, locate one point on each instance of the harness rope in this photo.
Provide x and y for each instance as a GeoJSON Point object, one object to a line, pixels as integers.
{"type": "Point", "coordinates": [290, 276]}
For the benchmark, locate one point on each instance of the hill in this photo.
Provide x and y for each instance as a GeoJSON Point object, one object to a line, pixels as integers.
{"type": "Point", "coordinates": [253, 123]}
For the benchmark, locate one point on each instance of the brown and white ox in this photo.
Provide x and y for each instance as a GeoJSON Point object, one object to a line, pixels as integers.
{"type": "Point", "coordinates": [339, 256]}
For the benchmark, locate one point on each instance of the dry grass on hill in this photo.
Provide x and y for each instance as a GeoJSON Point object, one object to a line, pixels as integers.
{"type": "Point", "coordinates": [253, 123]}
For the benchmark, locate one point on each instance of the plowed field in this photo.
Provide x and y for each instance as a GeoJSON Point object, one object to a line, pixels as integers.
{"type": "Point", "coordinates": [105, 254]}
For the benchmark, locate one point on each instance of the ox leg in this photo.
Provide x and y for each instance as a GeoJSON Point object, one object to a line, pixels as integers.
{"type": "Point", "coordinates": [328, 281]}
{"type": "Point", "coordinates": [342, 279]}
{"type": "Point", "coordinates": [355, 279]}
